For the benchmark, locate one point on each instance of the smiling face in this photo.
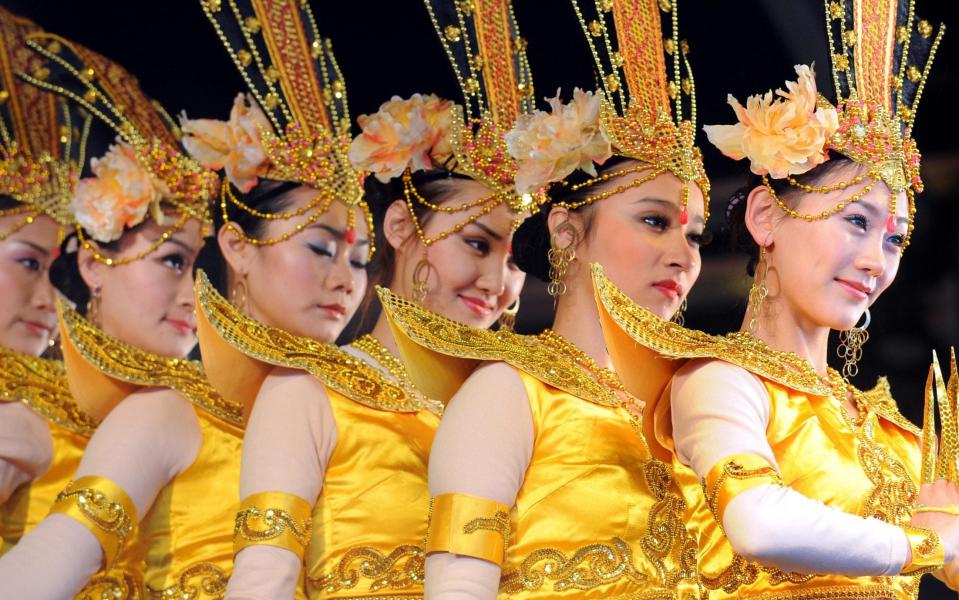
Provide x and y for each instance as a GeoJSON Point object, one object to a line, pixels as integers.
{"type": "Point", "coordinates": [472, 277]}
{"type": "Point", "coordinates": [148, 303]}
{"type": "Point", "coordinates": [637, 236]}
{"type": "Point", "coordinates": [826, 273]}
{"type": "Point", "coordinates": [310, 284]}
{"type": "Point", "coordinates": [27, 310]}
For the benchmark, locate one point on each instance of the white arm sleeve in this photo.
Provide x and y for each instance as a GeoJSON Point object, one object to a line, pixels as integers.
{"type": "Point", "coordinates": [141, 445]}
{"type": "Point", "coordinates": [288, 443]}
{"type": "Point", "coordinates": [719, 410]}
{"type": "Point", "coordinates": [482, 448]}
{"type": "Point", "coordinates": [25, 447]}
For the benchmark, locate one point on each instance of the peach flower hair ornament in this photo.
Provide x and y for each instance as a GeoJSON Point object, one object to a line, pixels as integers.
{"type": "Point", "coordinates": [292, 125]}
{"type": "Point", "coordinates": [145, 174]}
{"type": "Point", "coordinates": [881, 57]}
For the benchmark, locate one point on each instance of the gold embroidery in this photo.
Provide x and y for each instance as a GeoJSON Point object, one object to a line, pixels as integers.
{"type": "Point", "coordinates": [111, 586]}
{"type": "Point", "coordinates": [335, 368]}
{"type": "Point", "coordinates": [588, 567]}
{"type": "Point", "coordinates": [666, 534]}
{"type": "Point", "coordinates": [202, 581]}
{"type": "Point", "coordinates": [133, 365]}
{"type": "Point", "coordinates": [100, 510]}
{"type": "Point", "coordinates": [403, 568]}
{"type": "Point", "coordinates": [742, 572]}
{"type": "Point", "coordinates": [275, 522]}
{"type": "Point", "coordinates": [41, 384]}
{"type": "Point", "coordinates": [395, 367]}
{"type": "Point", "coordinates": [498, 523]}
{"type": "Point", "coordinates": [735, 470]}
{"type": "Point", "coordinates": [673, 341]}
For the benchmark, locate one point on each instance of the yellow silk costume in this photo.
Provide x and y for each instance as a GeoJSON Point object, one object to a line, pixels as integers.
{"type": "Point", "coordinates": [867, 466]}
{"type": "Point", "coordinates": [369, 522]}
{"type": "Point", "coordinates": [41, 384]}
{"type": "Point", "coordinates": [597, 516]}
{"type": "Point", "coordinates": [187, 533]}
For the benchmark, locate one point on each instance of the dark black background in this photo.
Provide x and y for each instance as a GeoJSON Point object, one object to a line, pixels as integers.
{"type": "Point", "coordinates": [744, 47]}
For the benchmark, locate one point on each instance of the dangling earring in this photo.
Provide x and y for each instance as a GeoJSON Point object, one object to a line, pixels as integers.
{"type": "Point", "coordinates": [851, 342]}
{"type": "Point", "coordinates": [680, 317]}
{"type": "Point", "coordinates": [507, 321]}
{"type": "Point", "coordinates": [93, 306]}
{"type": "Point", "coordinates": [758, 292]}
{"type": "Point", "coordinates": [421, 280]}
{"type": "Point", "coordinates": [238, 296]}
{"type": "Point", "coordinates": [560, 258]}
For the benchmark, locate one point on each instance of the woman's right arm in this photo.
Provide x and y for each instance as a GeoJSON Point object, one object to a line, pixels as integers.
{"type": "Point", "coordinates": [289, 439]}
{"type": "Point", "coordinates": [480, 456]}
{"type": "Point", "coordinates": [25, 447]}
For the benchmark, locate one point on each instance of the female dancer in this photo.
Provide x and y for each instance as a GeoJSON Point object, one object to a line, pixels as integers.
{"type": "Point", "coordinates": [166, 453]}
{"type": "Point", "coordinates": [797, 483]}
{"type": "Point", "coordinates": [541, 484]}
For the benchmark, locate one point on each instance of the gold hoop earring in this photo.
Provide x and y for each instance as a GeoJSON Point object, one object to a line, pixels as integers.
{"type": "Point", "coordinates": [560, 258]}
{"type": "Point", "coordinates": [239, 296]}
{"type": "Point", "coordinates": [851, 342]}
{"type": "Point", "coordinates": [421, 280]}
{"type": "Point", "coordinates": [680, 317]}
{"type": "Point", "coordinates": [758, 292]}
{"type": "Point", "coordinates": [93, 306]}
{"type": "Point", "coordinates": [507, 320]}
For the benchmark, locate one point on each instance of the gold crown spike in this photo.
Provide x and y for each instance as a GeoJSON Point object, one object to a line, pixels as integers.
{"type": "Point", "coordinates": [649, 93]}
{"type": "Point", "coordinates": [941, 460]}
{"type": "Point", "coordinates": [929, 439]}
{"type": "Point", "coordinates": [148, 153]}
{"type": "Point", "coordinates": [293, 76]}
{"type": "Point", "coordinates": [41, 141]}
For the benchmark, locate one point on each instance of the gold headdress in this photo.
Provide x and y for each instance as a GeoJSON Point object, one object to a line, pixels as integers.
{"type": "Point", "coordinates": [147, 166]}
{"type": "Point", "coordinates": [483, 43]}
{"type": "Point", "coordinates": [647, 107]}
{"type": "Point", "coordinates": [881, 56]}
{"type": "Point", "coordinates": [294, 126]}
{"type": "Point", "coordinates": [41, 143]}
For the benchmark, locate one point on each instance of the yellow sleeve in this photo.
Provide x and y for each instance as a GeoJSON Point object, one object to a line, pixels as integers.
{"type": "Point", "coordinates": [469, 526]}
{"type": "Point", "coordinates": [104, 508]}
{"type": "Point", "coordinates": [275, 519]}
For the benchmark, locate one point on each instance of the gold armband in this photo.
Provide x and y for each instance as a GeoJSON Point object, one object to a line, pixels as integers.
{"type": "Point", "coordinates": [274, 519]}
{"type": "Point", "coordinates": [928, 555]}
{"type": "Point", "coordinates": [734, 475]}
{"type": "Point", "coordinates": [946, 510]}
{"type": "Point", "coordinates": [469, 526]}
{"type": "Point", "coordinates": [102, 507]}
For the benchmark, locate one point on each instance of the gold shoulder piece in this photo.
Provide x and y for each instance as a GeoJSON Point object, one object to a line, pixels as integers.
{"type": "Point", "coordinates": [42, 385]}
{"type": "Point", "coordinates": [335, 368]}
{"type": "Point", "coordinates": [441, 353]}
{"type": "Point", "coordinates": [670, 341]}
{"type": "Point", "coordinates": [880, 399]}
{"type": "Point", "coordinates": [102, 371]}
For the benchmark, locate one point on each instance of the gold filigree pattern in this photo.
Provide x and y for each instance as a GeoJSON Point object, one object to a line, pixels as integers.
{"type": "Point", "coordinates": [100, 510]}
{"type": "Point", "coordinates": [666, 535]}
{"type": "Point", "coordinates": [111, 586]}
{"type": "Point", "coordinates": [41, 384]}
{"type": "Point", "coordinates": [256, 525]}
{"type": "Point", "coordinates": [741, 572]}
{"type": "Point", "coordinates": [734, 470]}
{"type": "Point", "coordinates": [133, 365]}
{"type": "Point", "coordinates": [401, 569]}
{"type": "Point", "coordinates": [202, 581]}
{"type": "Point", "coordinates": [674, 341]}
{"type": "Point", "coordinates": [498, 523]}
{"type": "Point", "coordinates": [339, 370]}
{"type": "Point", "coordinates": [395, 367]}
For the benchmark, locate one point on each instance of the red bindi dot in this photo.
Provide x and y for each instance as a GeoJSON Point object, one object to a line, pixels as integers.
{"type": "Point", "coordinates": [55, 253]}
{"type": "Point", "coordinates": [684, 216]}
{"type": "Point", "coordinates": [350, 236]}
{"type": "Point", "coordinates": [891, 224]}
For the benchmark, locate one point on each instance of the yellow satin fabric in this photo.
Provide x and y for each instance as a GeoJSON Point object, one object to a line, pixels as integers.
{"type": "Point", "coordinates": [31, 502]}
{"type": "Point", "coordinates": [189, 529]}
{"type": "Point", "coordinates": [103, 508]}
{"type": "Point", "coordinates": [274, 519]}
{"type": "Point", "coordinates": [374, 504]}
{"type": "Point", "coordinates": [734, 475]}
{"type": "Point", "coordinates": [468, 526]}
{"type": "Point", "coordinates": [580, 522]}
{"type": "Point", "coordinates": [817, 450]}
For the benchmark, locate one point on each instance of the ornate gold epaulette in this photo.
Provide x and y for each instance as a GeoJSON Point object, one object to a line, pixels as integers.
{"type": "Point", "coordinates": [134, 367]}
{"type": "Point", "coordinates": [440, 353]}
{"type": "Point", "coordinates": [341, 371]}
{"type": "Point", "coordinates": [879, 399]}
{"type": "Point", "coordinates": [41, 384]}
{"type": "Point", "coordinates": [675, 344]}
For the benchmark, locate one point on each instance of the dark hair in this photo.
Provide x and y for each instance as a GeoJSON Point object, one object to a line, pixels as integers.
{"type": "Point", "coordinates": [736, 208]}
{"type": "Point", "coordinates": [269, 196]}
{"type": "Point", "coordinates": [6, 202]}
{"type": "Point", "coordinates": [65, 269]}
{"type": "Point", "coordinates": [531, 242]}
